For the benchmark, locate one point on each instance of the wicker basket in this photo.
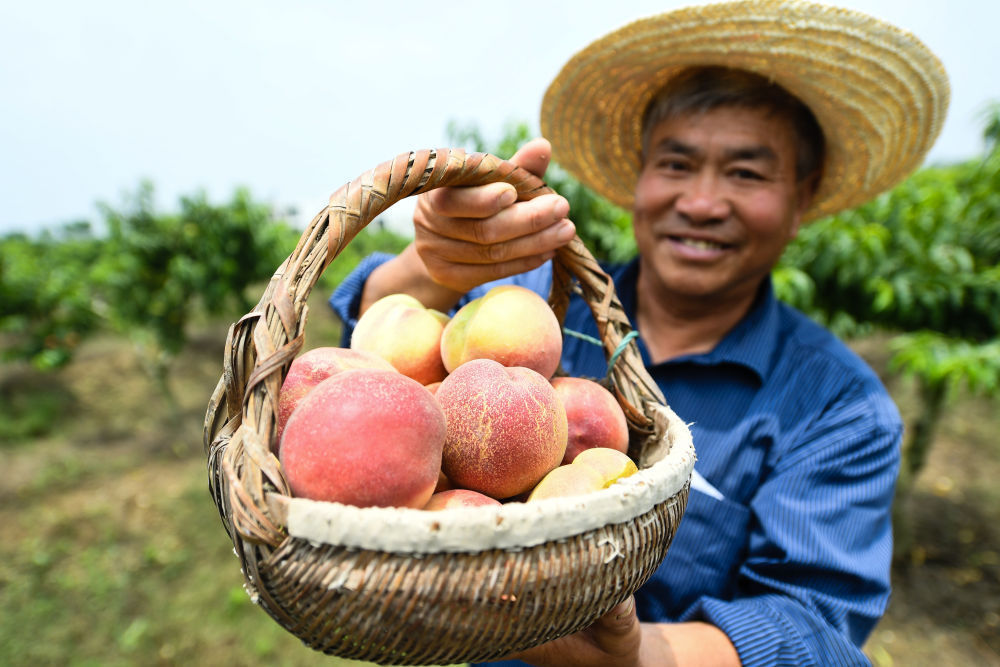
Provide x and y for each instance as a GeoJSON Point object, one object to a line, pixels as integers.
{"type": "Point", "coordinates": [401, 586]}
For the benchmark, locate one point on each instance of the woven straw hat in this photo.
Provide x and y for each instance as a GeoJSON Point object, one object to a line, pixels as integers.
{"type": "Point", "coordinates": [878, 93]}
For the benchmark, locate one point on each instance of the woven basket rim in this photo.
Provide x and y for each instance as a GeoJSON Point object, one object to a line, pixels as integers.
{"type": "Point", "coordinates": [511, 525]}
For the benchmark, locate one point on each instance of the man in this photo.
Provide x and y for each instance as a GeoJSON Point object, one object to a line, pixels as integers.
{"type": "Point", "coordinates": [724, 128]}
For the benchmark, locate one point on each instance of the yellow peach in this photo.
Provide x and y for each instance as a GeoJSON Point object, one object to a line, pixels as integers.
{"type": "Point", "coordinates": [510, 325]}
{"type": "Point", "coordinates": [567, 480]}
{"type": "Point", "coordinates": [611, 464]}
{"type": "Point", "coordinates": [402, 331]}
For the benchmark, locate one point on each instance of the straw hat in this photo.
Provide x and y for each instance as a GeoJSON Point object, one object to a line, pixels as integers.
{"type": "Point", "coordinates": [878, 93]}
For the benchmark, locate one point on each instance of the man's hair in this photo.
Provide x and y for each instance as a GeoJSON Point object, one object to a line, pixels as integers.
{"type": "Point", "coordinates": [702, 89]}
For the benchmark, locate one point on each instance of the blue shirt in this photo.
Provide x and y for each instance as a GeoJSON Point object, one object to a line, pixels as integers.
{"type": "Point", "coordinates": [788, 546]}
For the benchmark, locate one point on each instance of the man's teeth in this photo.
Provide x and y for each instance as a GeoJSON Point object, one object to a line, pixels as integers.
{"type": "Point", "coordinates": [702, 245]}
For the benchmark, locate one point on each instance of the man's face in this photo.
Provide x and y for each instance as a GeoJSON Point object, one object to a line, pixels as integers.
{"type": "Point", "coordinates": [716, 203]}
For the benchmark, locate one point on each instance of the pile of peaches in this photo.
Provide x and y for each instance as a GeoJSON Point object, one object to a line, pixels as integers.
{"type": "Point", "coordinates": [431, 412]}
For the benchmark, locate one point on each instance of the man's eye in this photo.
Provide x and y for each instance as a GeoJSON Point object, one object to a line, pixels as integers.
{"type": "Point", "coordinates": [747, 174]}
{"type": "Point", "coordinates": [668, 164]}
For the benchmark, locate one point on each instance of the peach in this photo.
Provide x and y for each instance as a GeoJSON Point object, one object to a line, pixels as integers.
{"type": "Point", "coordinates": [402, 331]}
{"type": "Point", "coordinates": [312, 367]}
{"type": "Point", "coordinates": [443, 483]}
{"type": "Point", "coordinates": [567, 480]}
{"type": "Point", "coordinates": [459, 498]}
{"type": "Point", "coordinates": [593, 414]}
{"type": "Point", "coordinates": [506, 428]}
{"type": "Point", "coordinates": [433, 386]}
{"type": "Point", "coordinates": [365, 437]}
{"type": "Point", "coordinates": [611, 464]}
{"type": "Point", "coordinates": [510, 325]}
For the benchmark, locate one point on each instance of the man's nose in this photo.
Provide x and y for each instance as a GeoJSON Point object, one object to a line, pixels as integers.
{"type": "Point", "coordinates": [703, 200]}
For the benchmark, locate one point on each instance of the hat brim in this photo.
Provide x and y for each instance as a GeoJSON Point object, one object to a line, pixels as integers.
{"type": "Point", "coordinates": [879, 94]}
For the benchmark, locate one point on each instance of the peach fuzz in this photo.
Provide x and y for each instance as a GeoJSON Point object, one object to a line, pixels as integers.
{"type": "Point", "coordinates": [402, 331]}
{"type": "Point", "coordinates": [611, 464]}
{"type": "Point", "coordinates": [510, 325]}
{"type": "Point", "coordinates": [366, 438]}
{"type": "Point", "coordinates": [506, 428]}
{"type": "Point", "coordinates": [312, 367]}
{"type": "Point", "coordinates": [453, 498]}
{"type": "Point", "coordinates": [594, 417]}
{"type": "Point", "coordinates": [567, 480]}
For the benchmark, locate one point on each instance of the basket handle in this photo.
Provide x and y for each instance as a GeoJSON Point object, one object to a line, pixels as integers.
{"type": "Point", "coordinates": [239, 423]}
{"type": "Point", "coordinates": [357, 203]}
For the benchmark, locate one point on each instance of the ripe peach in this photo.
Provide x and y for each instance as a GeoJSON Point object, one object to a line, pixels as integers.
{"type": "Point", "coordinates": [365, 437]}
{"type": "Point", "coordinates": [509, 324]}
{"type": "Point", "coordinates": [312, 367]}
{"type": "Point", "coordinates": [402, 331]}
{"type": "Point", "coordinates": [611, 464]}
{"type": "Point", "coordinates": [443, 483]}
{"type": "Point", "coordinates": [567, 480]}
{"type": "Point", "coordinates": [506, 428]}
{"type": "Point", "coordinates": [593, 414]}
{"type": "Point", "coordinates": [458, 498]}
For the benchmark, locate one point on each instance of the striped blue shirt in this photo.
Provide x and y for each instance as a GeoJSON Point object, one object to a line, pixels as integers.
{"type": "Point", "coordinates": [786, 543]}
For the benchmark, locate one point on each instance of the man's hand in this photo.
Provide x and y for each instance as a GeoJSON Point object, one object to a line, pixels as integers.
{"type": "Point", "coordinates": [468, 236]}
{"type": "Point", "coordinates": [612, 641]}
{"type": "Point", "coordinates": [618, 639]}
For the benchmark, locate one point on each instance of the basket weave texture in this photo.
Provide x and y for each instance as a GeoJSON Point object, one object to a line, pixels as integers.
{"type": "Point", "coordinates": [424, 606]}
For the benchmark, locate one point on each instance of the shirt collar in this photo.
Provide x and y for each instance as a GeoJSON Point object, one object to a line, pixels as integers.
{"type": "Point", "coordinates": [752, 343]}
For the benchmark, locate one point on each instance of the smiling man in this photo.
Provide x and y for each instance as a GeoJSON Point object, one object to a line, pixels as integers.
{"type": "Point", "coordinates": [723, 128]}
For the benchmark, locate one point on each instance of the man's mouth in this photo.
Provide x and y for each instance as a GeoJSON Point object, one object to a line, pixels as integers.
{"type": "Point", "coordinates": [699, 244]}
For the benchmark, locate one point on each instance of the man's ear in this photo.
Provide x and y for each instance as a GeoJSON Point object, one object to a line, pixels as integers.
{"type": "Point", "coordinates": [805, 192]}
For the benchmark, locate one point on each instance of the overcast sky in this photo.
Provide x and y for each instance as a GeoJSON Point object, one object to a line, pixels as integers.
{"type": "Point", "coordinates": [294, 98]}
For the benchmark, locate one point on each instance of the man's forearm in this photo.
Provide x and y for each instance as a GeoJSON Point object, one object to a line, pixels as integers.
{"type": "Point", "coordinates": [407, 274]}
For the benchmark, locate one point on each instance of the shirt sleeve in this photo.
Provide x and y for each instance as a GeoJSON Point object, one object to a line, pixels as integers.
{"type": "Point", "coordinates": [816, 577]}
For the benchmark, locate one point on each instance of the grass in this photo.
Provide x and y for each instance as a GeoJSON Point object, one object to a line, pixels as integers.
{"type": "Point", "coordinates": [113, 553]}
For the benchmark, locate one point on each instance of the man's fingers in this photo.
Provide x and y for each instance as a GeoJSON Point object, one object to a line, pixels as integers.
{"type": "Point", "coordinates": [611, 641]}
{"type": "Point", "coordinates": [486, 200]}
{"type": "Point", "coordinates": [472, 202]}
{"type": "Point", "coordinates": [473, 251]}
{"type": "Point", "coordinates": [618, 633]}
{"type": "Point", "coordinates": [527, 218]}
{"type": "Point", "coordinates": [622, 619]}
{"type": "Point", "coordinates": [534, 156]}
{"type": "Point", "coordinates": [463, 277]}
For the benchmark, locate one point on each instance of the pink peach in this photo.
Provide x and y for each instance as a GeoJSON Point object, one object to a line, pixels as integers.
{"type": "Point", "coordinates": [459, 498]}
{"type": "Point", "coordinates": [312, 367]}
{"type": "Point", "coordinates": [593, 415]}
{"type": "Point", "coordinates": [506, 428]}
{"type": "Point", "coordinates": [367, 438]}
